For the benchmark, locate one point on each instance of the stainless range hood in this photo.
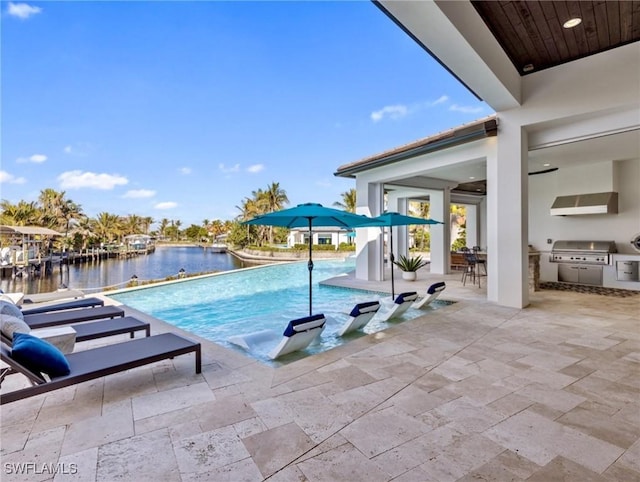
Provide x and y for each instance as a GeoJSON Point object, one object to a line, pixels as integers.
{"type": "Point", "coordinates": [596, 203]}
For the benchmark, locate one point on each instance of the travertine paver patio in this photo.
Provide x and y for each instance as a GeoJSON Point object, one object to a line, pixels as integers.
{"type": "Point", "coordinates": [469, 392]}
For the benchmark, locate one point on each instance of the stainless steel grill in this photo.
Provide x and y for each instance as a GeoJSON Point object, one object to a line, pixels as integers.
{"type": "Point", "coordinates": [582, 261]}
{"type": "Point", "coordinates": [583, 252]}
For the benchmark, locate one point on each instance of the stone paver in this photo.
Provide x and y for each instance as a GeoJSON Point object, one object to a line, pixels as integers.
{"type": "Point", "coordinates": [469, 392]}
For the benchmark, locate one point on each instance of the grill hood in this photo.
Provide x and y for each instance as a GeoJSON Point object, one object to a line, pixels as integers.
{"type": "Point", "coordinates": [578, 204]}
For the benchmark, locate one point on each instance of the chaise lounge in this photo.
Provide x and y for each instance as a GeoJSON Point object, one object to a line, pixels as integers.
{"type": "Point", "coordinates": [98, 362]}
{"type": "Point", "coordinates": [299, 334]}
{"type": "Point", "coordinates": [360, 315]}
{"type": "Point", "coordinates": [64, 305]}
{"type": "Point", "coordinates": [401, 304]}
{"type": "Point", "coordinates": [93, 330]}
{"type": "Point", "coordinates": [432, 293]}
{"type": "Point", "coordinates": [57, 318]}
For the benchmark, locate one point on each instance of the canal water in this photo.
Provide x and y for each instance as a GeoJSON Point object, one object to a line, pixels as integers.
{"type": "Point", "coordinates": [93, 277]}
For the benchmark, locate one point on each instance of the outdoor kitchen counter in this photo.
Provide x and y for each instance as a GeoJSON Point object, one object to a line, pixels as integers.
{"type": "Point", "coordinates": [610, 273]}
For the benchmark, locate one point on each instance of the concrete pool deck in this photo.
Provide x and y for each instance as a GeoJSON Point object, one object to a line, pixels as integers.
{"type": "Point", "coordinates": [472, 391]}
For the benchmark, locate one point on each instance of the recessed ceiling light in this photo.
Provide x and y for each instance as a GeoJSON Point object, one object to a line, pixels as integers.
{"type": "Point", "coordinates": [546, 164]}
{"type": "Point", "coordinates": [479, 190]}
{"type": "Point", "coordinates": [572, 22]}
{"type": "Point", "coordinates": [528, 68]}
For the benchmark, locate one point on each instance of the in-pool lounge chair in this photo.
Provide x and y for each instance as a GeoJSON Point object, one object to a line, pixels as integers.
{"type": "Point", "coordinates": [297, 336]}
{"type": "Point", "coordinates": [401, 304]}
{"type": "Point", "coordinates": [432, 293]}
{"type": "Point", "coordinates": [360, 315]}
{"type": "Point", "coordinates": [91, 302]}
{"type": "Point", "coordinates": [98, 362]}
{"type": "Point", "coordinates": [100, 329]}
{"type": "Point", "coordinates": [57, 318]}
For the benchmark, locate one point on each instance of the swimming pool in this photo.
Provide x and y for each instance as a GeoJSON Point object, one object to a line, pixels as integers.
{"type": "Point", "coordinates": [266, 297]}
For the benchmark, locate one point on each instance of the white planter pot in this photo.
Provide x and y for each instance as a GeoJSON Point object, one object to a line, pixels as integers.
{"type": "Point", "coordinates": [409, 275]}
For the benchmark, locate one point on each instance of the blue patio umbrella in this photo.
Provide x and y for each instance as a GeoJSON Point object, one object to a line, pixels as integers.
{"type": "Point", "coordinates": [309, 215]}
{"type": "Point", "coordinates": [390, 219]}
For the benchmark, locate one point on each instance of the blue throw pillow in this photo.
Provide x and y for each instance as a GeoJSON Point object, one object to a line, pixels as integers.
{"type": "Point", "coordinates": [39, 355]}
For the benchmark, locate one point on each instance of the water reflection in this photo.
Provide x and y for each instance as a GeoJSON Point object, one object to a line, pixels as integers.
{"type": "Point", "coordinates": [93, 276]}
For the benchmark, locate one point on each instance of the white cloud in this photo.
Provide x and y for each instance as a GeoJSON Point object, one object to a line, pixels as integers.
{"type": "Point", "coordinates": [79, 149]}
{"type": "Point", "coordinates": [22, 10]}
{"type": "Point", "coordinates": [323, 183]}
{"type": "Point", "coordinates": [256, 168]}
{"type": "Point", "coordinates": [79, 180]}
{"type": "Point", "coordinates": [398, 111]}
{"type": "Point", "coordinates": [166, 205]}
{"type": "Point", "coordinates": [440, 100]}
{"type": "Point", "coordinates": [36, 158]}
{"type": "Point", "coordinates": [139, 193]}
{"type": "Point", "coordinates": [394, 112]}
{"type": "Point", "coordinates": [466, 109]}
{"type": "Point", "coordinates": [226, 170]}
{"type": "Point", "coordinates": [185, 170]}
{"type": "Point", "coordinates": [7, 178]}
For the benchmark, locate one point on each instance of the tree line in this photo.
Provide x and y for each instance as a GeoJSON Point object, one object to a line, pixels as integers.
{"type": "Point", "coordinates": [54, 210]}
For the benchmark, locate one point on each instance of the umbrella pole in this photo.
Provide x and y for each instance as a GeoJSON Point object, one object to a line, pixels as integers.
{"type": "Point", "coordinates": [310, 267]}
{"type": "Point", "coordinates": [391, 257]}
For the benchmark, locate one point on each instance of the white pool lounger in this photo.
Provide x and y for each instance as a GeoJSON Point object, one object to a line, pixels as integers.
{"type": "Point", "coordinates": [432, 293]}
{"type": "Point", "coordinates": [361, 314]}
{"type": "Point", "coordinates": [299, 334]}
{"type": "Point", "coordinates": [401, 304]}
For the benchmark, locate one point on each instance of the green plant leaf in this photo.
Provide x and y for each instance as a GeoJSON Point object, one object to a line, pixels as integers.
{"type": "Point", "coordinates": [413, 263]}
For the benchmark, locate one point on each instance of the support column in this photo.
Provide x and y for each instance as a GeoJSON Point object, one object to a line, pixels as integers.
{"type": "Point", "coordinates": [400, 233]}
{"type": "Point", "coordinates": [440, 209]}
{"type": "Point", "coordinates": [473, 225]}
{"type": "Point", "coordinates": [369, 253]}
{"type": "Point", "coordinates": [507, 217]}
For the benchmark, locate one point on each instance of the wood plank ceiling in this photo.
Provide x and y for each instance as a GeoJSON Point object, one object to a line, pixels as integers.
{"type": "Point", "coordinates": [532, 33]}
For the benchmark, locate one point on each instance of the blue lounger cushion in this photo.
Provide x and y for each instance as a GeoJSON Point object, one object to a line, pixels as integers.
{"type": "Point", "coordinates": [432, 293]}
{"type": "Point", "coordinates": [39, 355]}
{"type": "Point", "coordinates": [360, 315]}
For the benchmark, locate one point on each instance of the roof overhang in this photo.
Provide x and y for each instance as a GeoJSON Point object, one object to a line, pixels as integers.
{"type": "Point", "coordinates": [480, 129]}
{"type": "Point", "coordinates": [28, 231]}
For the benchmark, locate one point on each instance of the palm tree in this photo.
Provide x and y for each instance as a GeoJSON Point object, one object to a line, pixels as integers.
{"type": "Point", "coordinates": [348, 201]}
{"type": "Point", "coordinates": [50, 203]}
{"type": "Point", "coordinates": [164, 224]}
{"type": "Point", "coordinates": [132, 224]}
{"type": "Point", "coordinates": [147, 221]}
{"type": "Point", "coordinates": [108, 226]}
{"type": "Point", "coordinates": [248, 210]}
{"type": "Point", "coordinates": [421, 210]}
{"type": "Point", "coordinates": [457, 219]}
{"type": "Point", "coordinates": [85, 229]}
{"type": "Point", "coordinates": [21, 214]}
{"type": "Point", "coordinates": [69, 211]}
{"type": "Point", "coordinates": [272, 199]}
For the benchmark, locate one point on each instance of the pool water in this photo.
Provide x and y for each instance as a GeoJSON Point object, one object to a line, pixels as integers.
{"type": "Point", "coordinates": [244, 301]}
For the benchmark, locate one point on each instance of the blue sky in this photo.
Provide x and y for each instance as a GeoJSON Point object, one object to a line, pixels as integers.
{"type": "Point", "coordinates": [179, 110]}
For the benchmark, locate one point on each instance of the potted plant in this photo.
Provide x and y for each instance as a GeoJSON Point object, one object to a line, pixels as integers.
{"type": "Point", "coordinates": [409, 266]}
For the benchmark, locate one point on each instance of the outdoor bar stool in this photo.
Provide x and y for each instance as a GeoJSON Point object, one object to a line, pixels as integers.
{"type": "Point", "coordinates": [470, 270]}
{"type": "Point", "coordinates": [482, 263]}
